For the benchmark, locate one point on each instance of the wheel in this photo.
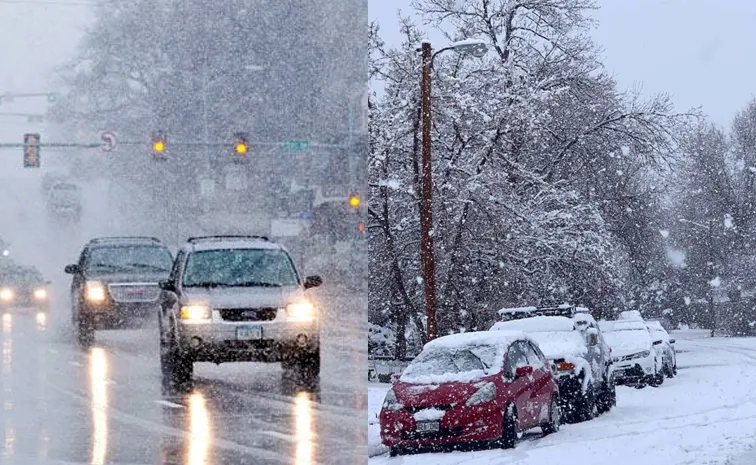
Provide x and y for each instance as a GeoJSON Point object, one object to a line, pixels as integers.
{"type": "Point", "coordinates": [306, 365]}
{"type": "Point", "coordinates": [555, 416]}
{"type": "Point", "coordinates": [394, 451]}
{"type": "Point", "coordinates": [608, 398]}
{"type": "Point", "coordinates": [657, 379]}
{"type": "Point", "coordinates": [510, 432]}
{"type": "Point", "coordinates": [176, 367]}
{"type": "Point", "coordinates": [85, 332]}
{"type": "Point", "coordinates": [587, 408]}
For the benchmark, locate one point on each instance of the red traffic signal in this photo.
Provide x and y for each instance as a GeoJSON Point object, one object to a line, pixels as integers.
{"type": "Point", "coordinates": [31, 150]}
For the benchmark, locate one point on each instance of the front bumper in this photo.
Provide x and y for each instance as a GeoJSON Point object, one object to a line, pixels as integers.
{"type": "Point", "coordinates": [459, 425]}
{"type": "Point", "coordinates": [270, 341]}
{"type": "Point", "coordinates": [634, 371]}
{"type": "Point", "coordinates": [111, 314]}
{"type": "Point", "coordinates": [22, 301]}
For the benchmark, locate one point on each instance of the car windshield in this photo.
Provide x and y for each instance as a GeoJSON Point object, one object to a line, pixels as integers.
{"type": "Point", "coordinates": [21, 277]}
{"type": "Point", "coordinates": [451, 362]}
{"type": "Point", "coordinates": [239, 268]}
{"type": "Point", "coordinates": [129, 258]}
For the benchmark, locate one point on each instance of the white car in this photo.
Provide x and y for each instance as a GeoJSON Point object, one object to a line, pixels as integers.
{"type": "Point", "coordinates": [636, 361]}
{"type": "Point", "coordinates": [666, 347]}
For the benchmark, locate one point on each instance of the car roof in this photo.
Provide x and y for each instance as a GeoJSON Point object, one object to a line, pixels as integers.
{"type": "Point", "coordinates": [500, 337]}
{"type": "Point", "coordinates": [223, 242]}
{"type": "Point", "coordinates": [125, 240]}
{"type": "Point", "coordinates": [537, 323]}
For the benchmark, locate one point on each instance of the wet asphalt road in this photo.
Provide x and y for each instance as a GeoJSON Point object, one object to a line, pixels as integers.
{"type": "Point", "coordinates": [62, 404]}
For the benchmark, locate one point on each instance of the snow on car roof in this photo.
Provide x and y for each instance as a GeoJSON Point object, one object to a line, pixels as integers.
{"type": "Point", "coordinates": [509, 311]}
{"type": "Point", "coordinates": [584, 317]}
{"type": "Point", "coordinates": [537, 324]}
{"type": "Point", "coordinates": [627, 325]}
{"type": "Point", "coordinates": [225, 245]}
{"type": "Point", "coordinates": [630, 315]}
{"type": "Point", "coordinates": [477, 338]}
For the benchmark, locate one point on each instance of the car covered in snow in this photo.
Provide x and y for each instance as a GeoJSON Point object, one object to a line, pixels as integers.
{"type": "Point", "coordinates": [64, 200]}
{"type": "Point", "coordinates": [636, 360]}
{"type": "Point", "coordinates": [584, 375]}
{"type": "Point", "coordinates": [23, 286]}
{"type": "Point", "coordinates": [666, 347]}
{"type": "Point", "coordinates": [486, 386]}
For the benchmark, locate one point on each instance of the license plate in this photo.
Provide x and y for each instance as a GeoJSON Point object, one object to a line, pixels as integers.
{"type": "Point", "coordinates": [427, 427]}
{"type": "Point", "coordinates": [246, 333]}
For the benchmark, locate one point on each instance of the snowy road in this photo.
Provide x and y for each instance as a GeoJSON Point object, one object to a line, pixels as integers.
{"type": "Point", "coordinates": [62, 405]}
{"type": "Point", "coordinates": [706, 415]}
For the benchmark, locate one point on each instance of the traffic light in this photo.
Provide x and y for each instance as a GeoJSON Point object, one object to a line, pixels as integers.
{"type": "Point", "coordinates": [241, 145]}
{"type": "Point", "coordinates": [158, 145]}
{"type": "Point", "coordinates": [31, 150]}
{"type": "Point", "coordinates": [354, 201]}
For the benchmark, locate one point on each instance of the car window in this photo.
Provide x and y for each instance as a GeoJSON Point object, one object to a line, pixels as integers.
{"type": "Point", "coordinates": [239, 267]}
{"type": "Point", "coordinates": [128, 259]}
{"type": "Point", "coordinates": [515, 359]}
{"type": "Point", "coordinates": [532, 356]}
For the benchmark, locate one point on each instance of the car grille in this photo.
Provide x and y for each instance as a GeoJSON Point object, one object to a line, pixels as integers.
{"type": "Point", "coordinates": [134, 292]}
{"type": "Point", "coordinates": [248, 314]}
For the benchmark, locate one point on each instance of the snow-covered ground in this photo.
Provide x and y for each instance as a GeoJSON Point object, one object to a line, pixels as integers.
{"type": "Point", "coordinates": [706, 415]}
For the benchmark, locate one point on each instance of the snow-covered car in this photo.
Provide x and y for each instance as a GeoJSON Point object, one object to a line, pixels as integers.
{"type": "Point", "coordinates": [630, 315]}
{"type": "Point", "coordinates": [636, 361]}
{"type": "Point", "coordinates": [667, 347]}
{"type": "Point", "coordinates": [471, 387]}
{"type": "Point", "coordinates": [586, 386]}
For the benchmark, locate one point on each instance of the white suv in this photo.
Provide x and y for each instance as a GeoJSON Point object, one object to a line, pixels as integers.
{"type": "Point", "coordinates": [636, 360]}
{"type": "Point", "coordinates": [237, 299]}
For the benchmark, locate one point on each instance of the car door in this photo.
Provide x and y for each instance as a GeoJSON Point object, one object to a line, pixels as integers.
{"type": "Point", "coordinates": [519, 389]}
{"type": "Point", "coordinates": [541, 394]}
{"type": "Point", "coordinates": [169, 299]}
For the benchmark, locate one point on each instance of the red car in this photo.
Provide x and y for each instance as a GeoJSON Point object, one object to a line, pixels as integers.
{"type": "Point", "coordinates": [486, 386]}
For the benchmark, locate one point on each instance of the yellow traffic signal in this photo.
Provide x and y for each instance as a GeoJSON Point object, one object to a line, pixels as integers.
{"type": "Point", "coordinates": [354, 201]}
{"type": "Point", "coordinates": [241, 148]}
{"type": "Point", "coordinates": [158, 146]}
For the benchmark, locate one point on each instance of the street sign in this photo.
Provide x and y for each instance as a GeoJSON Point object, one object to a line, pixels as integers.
{"type": "Point", "coordinates": [108, 141]}
{"type": "Point", "coordinates": [295, 145]}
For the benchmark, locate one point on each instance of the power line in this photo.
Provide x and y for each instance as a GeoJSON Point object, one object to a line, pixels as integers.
{"type": "Point", "coordinates": [50, 3]}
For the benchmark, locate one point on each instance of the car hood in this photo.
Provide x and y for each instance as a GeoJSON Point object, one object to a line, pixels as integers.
{"type": "Point", "coordinates": [245, 297]}
{"type": "Point", "coordinates": [428, 395]}
{"type": "Point", "coordinates": [628, 342]}
{"type": "Point", "coordinates": [142, 277]}
{"type": "Point", "coordinates": [557, 345]}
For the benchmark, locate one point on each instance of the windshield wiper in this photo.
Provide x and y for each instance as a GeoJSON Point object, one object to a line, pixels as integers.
{"type": "Point", "coordinates": [207, 284]}
{"type": "Point", "coordinates": [107, 266]}
{"type": "Point", "coordinates": [257, 284]}
{"type": "Point", "coordinates": [145, 265]}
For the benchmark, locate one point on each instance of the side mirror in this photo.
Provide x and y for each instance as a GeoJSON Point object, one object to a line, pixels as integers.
{"type": "Point", "coordinates": [166, 285]}
{"type": "Point", "coordinates": [671, 341]}
{"type": "Point", "coordinates": [312, 281]}
{"type": "Point", "coordinates": [394, 378]}
{"type": "Point", "coordinates": [72, 269]}
{"type": "Point", "coordinates": [656, 343]}
{"type": "Point", "coordinates": [523, 371]}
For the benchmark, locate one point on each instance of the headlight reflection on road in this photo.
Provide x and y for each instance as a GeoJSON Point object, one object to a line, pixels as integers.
{"type": "Point", "coordinates": [303, 414]}
{"type": "Point", "coordinates": [10, 440]}
{"type": "Point", "coordinates": [7, 343]}
{"type": "Point", "coordinates": [98, 373]}
{"type": "Point", "coordinates": [199, 441]}
{"type": "Point", "coordinates": [41, 321]}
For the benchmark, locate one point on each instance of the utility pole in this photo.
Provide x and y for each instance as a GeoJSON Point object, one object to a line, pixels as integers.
{"type": "Point", "coordinates": [712, 309]}
{"type": "Point", "coordinates": [426, 205]}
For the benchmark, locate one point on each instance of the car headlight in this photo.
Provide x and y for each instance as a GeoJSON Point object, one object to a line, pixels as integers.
{"type": "Point", "coordinates": [195, 312]}
{"type": "Point", "coordinates": [486, 393]}
{"type": "Point", "coordinates": [391, 403]}
{"type": "Point", "coordinates": [7, 294]}
{"type": "Point", "coordinates": [300, 311]}
{"type": "Point", "coordinates": [95, 291]}
{"type": "Point", "coordinates": [643, 354]}
{"type": "Point", "coordinates": [40, 294]}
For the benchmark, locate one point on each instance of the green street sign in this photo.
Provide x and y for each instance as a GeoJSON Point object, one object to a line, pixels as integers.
{"type": "Point", "coordinates": [52, 98]}
{"type": "Point", "coordinates": [295, 145]}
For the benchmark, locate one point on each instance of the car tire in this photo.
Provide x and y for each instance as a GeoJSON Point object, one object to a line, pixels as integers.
{"type": "Point", "coordinates": [657, 379]}
{"type": "Point", "coordinates": [608, 398]}
{"type": "Point", "coordinates": [394, 451]}
{"type": "Point", "coordinates": [555, 418]}
{"type": "Point", "coordinates": [306, 365]}
{"type": "Point", "coordinates": [587, 408]}
{"type": "Point", "coordinates": [176, 367]}
{"type": "Point", "coordinates": [85, 330]}
{"type": "Point", "coordinates": [509, 430]}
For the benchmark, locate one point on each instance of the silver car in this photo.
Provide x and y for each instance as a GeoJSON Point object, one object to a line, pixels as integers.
{"type": "Point", "coordinates": [237, 299]}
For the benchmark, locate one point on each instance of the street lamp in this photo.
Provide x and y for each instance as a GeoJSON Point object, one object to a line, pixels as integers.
{"type": "Point", "coordinates": [476, 48]}
{"type": "Point", "coordinates": [712, 274]}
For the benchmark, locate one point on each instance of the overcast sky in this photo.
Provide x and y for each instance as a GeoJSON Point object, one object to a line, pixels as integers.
{"type": "Point", "coordinates": [703, 52]}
